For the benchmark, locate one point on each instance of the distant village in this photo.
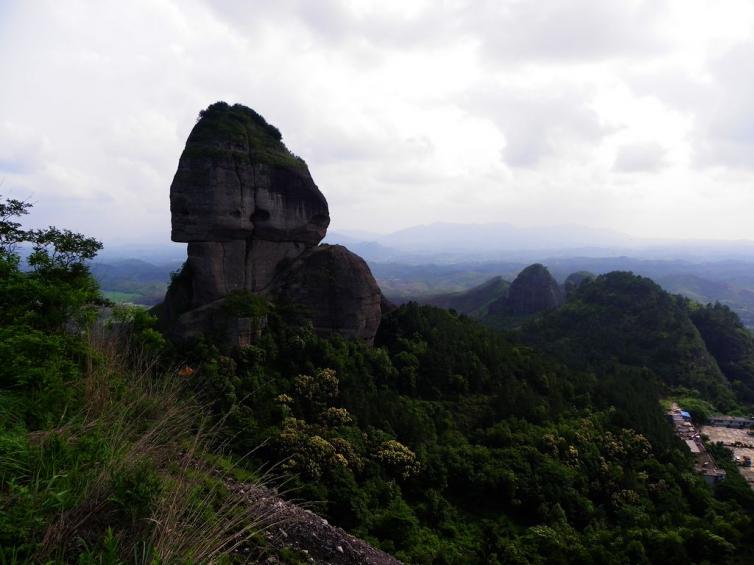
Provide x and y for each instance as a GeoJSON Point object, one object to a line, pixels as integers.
{"type": "Point", "coordinates": [733, 432]}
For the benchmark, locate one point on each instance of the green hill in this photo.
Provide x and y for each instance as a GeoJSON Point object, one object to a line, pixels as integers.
{"type": "Point", "coordinates": [620, 318]}
{"type": "Point", "coordinates": [730, 343]}
{"type": "Point", "coordinates": [473, 302]}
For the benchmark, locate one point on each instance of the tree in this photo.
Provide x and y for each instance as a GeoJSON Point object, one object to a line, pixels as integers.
{"type": "Point", "coordinates": [61, 250]}
{"type": "Point", "coordinates": [53, 249]}
{"type": "Point", "coordinates": [10, 231]}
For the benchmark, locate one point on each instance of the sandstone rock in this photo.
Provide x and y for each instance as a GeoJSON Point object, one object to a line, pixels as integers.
{"type": "Point", "coordinates": [252, 217]}
{"type": "Point", "coordinates": [338, 290]}
{"type": "Point", "coordinates": [242, 201]}
{"type": "Point", "coordinates": [237, 180]}
{"type": "Point", "coordinates": [534, 290]}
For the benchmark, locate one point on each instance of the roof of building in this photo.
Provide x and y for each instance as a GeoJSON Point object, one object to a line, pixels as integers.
{"type": "Point", "coordinates": [685, 414]}
{"type": "Point", "coordinates": [693, 446]}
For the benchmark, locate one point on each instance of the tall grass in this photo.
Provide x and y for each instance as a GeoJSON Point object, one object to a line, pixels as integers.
{"type": "Point", "coordinates": [126, 471]}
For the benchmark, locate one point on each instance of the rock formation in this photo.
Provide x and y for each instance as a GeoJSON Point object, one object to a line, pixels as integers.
{"type": "Point", "coordinates": [253, 218]}
{"type": "Point", "coordinates": [534, 290]}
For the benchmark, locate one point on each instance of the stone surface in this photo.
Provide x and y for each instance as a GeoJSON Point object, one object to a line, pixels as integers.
{"type": "Point", "coordinates": [252, 217]}
{"type": "Point", "coordinates": [242, 201]}
{"type": "Point", "coordinates": [534, 290]}
{"type": "Point", "coordinates": [236, 180]}
{"type": "Point", "coordinates": [337, 289]}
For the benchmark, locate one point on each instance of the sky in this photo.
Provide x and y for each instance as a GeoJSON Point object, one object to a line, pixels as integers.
{"type": "Point", "coordinates": [628, 115]}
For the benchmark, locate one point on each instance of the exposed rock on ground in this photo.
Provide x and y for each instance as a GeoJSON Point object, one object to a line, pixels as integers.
{"type": "Point", "coordinates": [253, 217]}
{"type": "Point", "coordinates": [305, 532]}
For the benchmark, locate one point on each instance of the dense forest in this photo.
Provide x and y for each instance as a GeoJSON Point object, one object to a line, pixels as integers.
{"type": "Point", "coordinates": [444, 442]}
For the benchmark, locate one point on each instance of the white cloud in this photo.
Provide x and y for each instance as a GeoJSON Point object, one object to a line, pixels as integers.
{"type": "Point", "coordinates": [407, 111]}
{"type": "Point", "coordinates": [640, 157]}
{"type": "Point", "coordinates": [539, 122]}
{"type": "Point", "coordinates": [574, 31]}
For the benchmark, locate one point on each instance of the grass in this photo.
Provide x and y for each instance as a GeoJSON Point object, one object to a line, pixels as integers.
{"type": "Point", "coordinates": [120, 297]}
{"type": "Point", "coordinates": [133, 473]}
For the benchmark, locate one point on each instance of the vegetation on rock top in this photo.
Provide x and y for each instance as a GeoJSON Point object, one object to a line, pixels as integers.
{"type": "Point", "coordinates": [224, 130]}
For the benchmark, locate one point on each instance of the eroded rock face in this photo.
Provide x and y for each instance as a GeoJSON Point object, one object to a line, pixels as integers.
{"type": "Point", "coordinates": [242, 201]}
{"type": "Point", "coordinates": [252, 217]}
{"type": "Point", "coordinates": [534, 290]}
{"type": "Point", "coordinates": [338, 290]}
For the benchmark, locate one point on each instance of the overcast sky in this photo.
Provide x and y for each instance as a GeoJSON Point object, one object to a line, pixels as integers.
{"type": "Point", "coordinates": [635, 116]}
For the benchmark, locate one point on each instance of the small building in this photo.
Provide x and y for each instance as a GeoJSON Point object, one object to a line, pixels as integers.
{"type": "Point", "coordinates": [731, 422]}
{"type": "Point", "coordinates": [693, 446]}
{"type": "Point", "coordinates": [685, 415]}
{"type": "Point", "coordinates": [713, 476]}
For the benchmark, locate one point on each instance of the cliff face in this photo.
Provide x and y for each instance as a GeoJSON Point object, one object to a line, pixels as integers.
{"type": "Point", "coordinates": [243, 203]}
{"type": "Point", "coordinates": [534, 290]}
{"type": "Point", "coordinates": [336, 287]}
{"type": "Point", "coordinates": [252, 217]}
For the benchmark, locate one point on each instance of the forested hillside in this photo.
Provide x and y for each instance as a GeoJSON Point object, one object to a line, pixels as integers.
{"type": "Point", "coordinates": [730, 343]}
{"type": "Point", "coordinates": [448, 443]}
{"type": "Point", "coordinates": [620, 319]}
{"type": "Point", "coordinates": [474, 302]}
{"type": "Point", "coordinates": [444, 442]}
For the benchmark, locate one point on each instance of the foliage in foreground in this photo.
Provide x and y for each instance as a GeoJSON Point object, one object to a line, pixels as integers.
{"type": "Point", "coordinates": [444, 443]}
{"type": "Point", "coordinates": [100, 453]}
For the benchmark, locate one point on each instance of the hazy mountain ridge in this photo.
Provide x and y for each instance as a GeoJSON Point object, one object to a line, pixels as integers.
{"type": "Point", "coordinates": [730, 282]}
{"type": "Point", "coordinates": [474, 302]}
{"type": "Point", "coordinates": [451, 242]}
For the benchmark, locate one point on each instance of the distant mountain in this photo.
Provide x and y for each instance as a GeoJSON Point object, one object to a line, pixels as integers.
{"type": "Point", "coordinates": [449, 237]}
{"type": "Point", "coordinates": [134, 280]}
{"type": "Point", "coordinates": [454, 242]}
{"type": "Point", "coordinates": [402, 282]}
{"type": "Point", "coordinates": [474, 302]}
{"type": "Point", "coordinates": [450, 242]}
{"type": "Point", "coordinates": [370, 250]}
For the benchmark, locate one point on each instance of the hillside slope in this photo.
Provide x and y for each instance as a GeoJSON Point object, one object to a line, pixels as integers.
{"type": "Point", "coordinates": [473, 302]}
{"type": "Point", "coordinates": [625, 319]}
{"type": "Point", "coordinates": [730, 343]}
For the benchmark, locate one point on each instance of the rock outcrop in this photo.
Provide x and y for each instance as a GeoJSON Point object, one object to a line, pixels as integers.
{"type": "Point", "coordinates": [534, 290]}
{"type": "Point", "coordinates": [337, 289]}
{"type": "Point", "coordinates": [253, 218]}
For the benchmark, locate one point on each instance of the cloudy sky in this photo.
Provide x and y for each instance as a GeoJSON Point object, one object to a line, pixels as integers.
{"type": "Point", "coordinates": [630, 115]}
